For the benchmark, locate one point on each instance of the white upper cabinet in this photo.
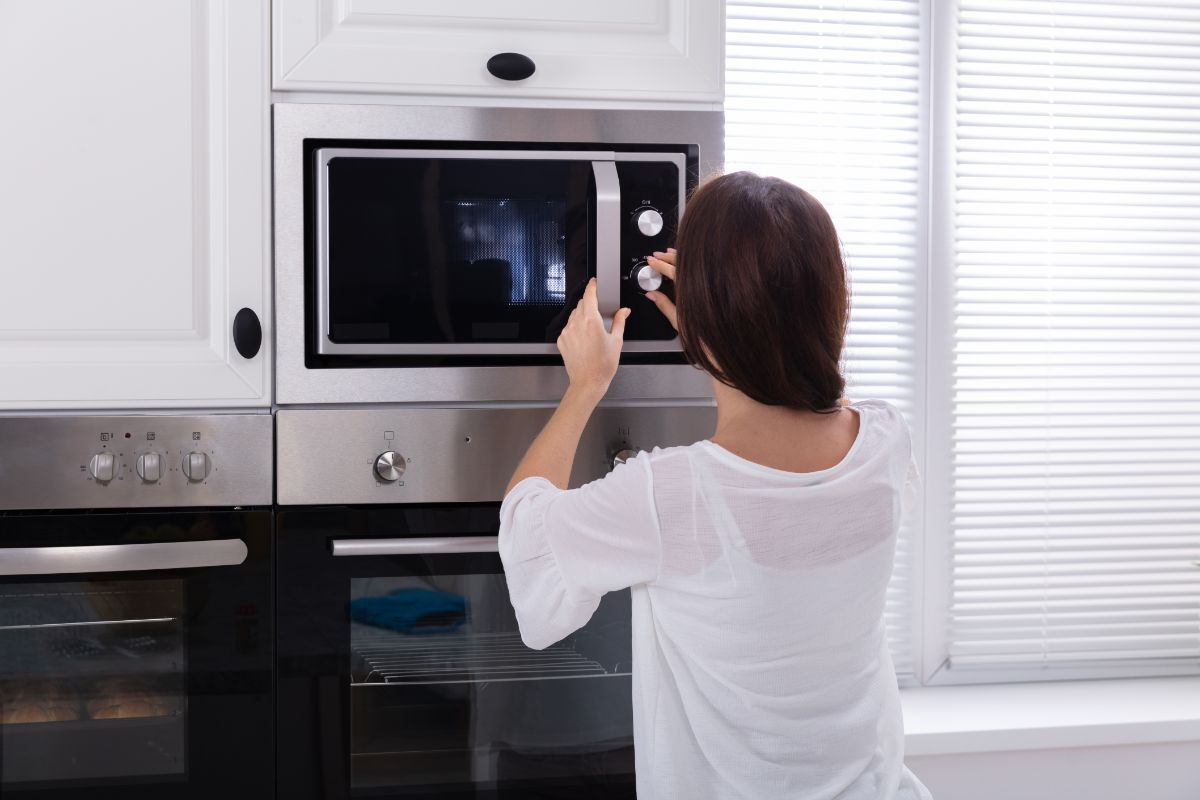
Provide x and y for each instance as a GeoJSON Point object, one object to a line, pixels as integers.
{"type": "Point", "coordinates": [613, 50]}
{"type": "Point", "coordinates": [134, 215]}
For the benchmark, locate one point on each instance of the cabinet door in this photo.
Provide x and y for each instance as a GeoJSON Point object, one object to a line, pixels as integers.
{"type": "Point", "coordinates": [134, 208]}
{"type": "Point", "coordinates": [639, 50]}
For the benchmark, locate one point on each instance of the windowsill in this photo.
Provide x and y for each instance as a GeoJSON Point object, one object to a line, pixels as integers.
{"type": "Point", "coordinates": [941, 720]}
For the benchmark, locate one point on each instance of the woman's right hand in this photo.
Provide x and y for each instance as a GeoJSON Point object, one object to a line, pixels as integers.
{"type": "Point", "coordinates": [664, 264]}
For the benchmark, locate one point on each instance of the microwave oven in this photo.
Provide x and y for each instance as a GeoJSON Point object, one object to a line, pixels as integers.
{"type": "Point", "coordinates": [433, 254]}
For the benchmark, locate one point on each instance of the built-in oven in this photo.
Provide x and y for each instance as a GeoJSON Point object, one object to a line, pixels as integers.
{"type": "Point", "coordinates": [434, 254]}
{"type": "Point", "coordinates": [135, 607]}
{"type": "Point", "coordinates": [401, 670]}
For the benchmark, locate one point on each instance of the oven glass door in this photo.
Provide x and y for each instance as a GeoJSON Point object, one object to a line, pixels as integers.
{"type": "Point", "coordinates": [402, 664]}
{"type": "Point", "coordinates": [445, 253]}
{"type": "Point", "coordinates": [134, 654]}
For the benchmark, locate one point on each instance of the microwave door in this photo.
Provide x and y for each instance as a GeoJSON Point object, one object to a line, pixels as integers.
{"type": "Point", "coordinates": [460, 252]}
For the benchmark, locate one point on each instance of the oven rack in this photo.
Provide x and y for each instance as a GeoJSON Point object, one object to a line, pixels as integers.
{"type": "Point", "coordinates": [62, 609]}
{"type": "Point", "coordinates": [87, 633]}
{"type": "Point", "coordinates": [397, 658]}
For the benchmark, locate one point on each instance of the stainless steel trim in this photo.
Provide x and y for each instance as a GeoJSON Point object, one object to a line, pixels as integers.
{"type": "Point", "coordinates": [327, 154]}
{"type": "Point", "coordinates": [416, 547]}
{"type": "Point", "coordinates": [608, 240]}
{"type": "Point", "coordinates": [121, 557]}
{"type": "Point", "coordinates": [607, 250]}
{"type": "Point", "coordinates": [44, 460]}
{"type": "Point", "coordinates": [294, 122]}
{"type": "Point", "coordinates": [455, 455]}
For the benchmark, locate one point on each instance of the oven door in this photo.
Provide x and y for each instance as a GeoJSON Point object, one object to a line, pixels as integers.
{"type": "Point", "coordinates": [402, 673]}
{"type": "Point", "coordinates": [445, 252]}
{"type": "Point", "coordinates": [135, 654]}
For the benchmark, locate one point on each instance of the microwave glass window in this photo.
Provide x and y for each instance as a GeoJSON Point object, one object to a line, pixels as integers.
{"type": "Point", "coordinates": [428, 250]}
{"type": "Point", "coordinates": [516, 248]}
{"type": "Point", "coordinates": [444, 693]}
{"type": "Point", "coordinates": [92, 681]}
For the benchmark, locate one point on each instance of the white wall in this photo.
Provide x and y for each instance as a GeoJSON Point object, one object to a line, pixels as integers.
{"type": "Point", "coordinates": [1164, 771]}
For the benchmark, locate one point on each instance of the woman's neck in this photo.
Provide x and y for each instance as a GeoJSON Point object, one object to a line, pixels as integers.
{"type": "Point", "coordinates": [736, 411]}
{"type": "Point", "coordinates": [786, 438]}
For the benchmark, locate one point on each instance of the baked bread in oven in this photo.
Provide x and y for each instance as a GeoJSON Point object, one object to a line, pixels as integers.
{"type": "Point", "coordinates": [38, 701]}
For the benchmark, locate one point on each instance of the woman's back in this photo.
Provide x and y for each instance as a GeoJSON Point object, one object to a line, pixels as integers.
{"type": "Point", "coordinates": [760, 666]}
{"type": "Point", "coordinates": [768, 616]}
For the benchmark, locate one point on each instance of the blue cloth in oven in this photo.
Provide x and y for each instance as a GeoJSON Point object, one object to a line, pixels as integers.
{"type": "Point", "coordinates": [412, 611]}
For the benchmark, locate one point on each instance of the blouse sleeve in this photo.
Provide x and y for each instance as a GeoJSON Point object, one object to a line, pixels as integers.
{"type": "Point", "coordinates": [564, 549]}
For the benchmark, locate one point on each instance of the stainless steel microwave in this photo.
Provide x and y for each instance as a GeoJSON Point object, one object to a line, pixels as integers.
{"type": "Point", "coordinates": [433, 254]}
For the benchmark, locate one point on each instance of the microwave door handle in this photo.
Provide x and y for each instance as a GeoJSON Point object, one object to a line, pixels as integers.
{"type": "Point", "coordinates": [416, 547]}
{"type": "Point", "coordinates": [121, 557]}
{"type": "Point", "coordinates": [608, 239]}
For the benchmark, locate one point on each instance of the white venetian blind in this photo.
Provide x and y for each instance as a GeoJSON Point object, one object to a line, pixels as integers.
{"type": "Point", "coordinates": [827, 96]}
{"type": "Point", "coordinates": [1076, 318]}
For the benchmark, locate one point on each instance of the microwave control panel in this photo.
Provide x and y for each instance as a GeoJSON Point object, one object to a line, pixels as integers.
{"type": "Point", "coordinates": [650, 209]}
{"type": "Point", "coordinates": [135, 461]}
{"type": "Point", "coordinates": [453, 455]}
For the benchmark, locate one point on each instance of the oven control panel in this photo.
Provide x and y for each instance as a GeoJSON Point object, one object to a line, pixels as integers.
{"type": "Point", "coordinates": [134, 461]}
{"type": "Point", "coordinates": [453, 455]}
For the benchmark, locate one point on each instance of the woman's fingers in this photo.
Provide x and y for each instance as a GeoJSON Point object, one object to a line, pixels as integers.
{"type": "Point", "coordinates": [618, 324]}
{"type": "Point", "coordinates": [665, 306]}
{"type": "Point", "coordinates": [663, 263]}
{"type": "Point", "coordinates": [589, 303]}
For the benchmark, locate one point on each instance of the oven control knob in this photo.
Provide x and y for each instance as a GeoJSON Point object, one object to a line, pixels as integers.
{"type": "Point", "coordinates": [195, 466]}
{"type": "Point", "coordinates": [389, 466]}
{"type": "Point", "coordinates": [103, 467]}
{"type": "Point", "coordinates": [624, 455]}
{"type": "Point", "coordinates": [648, 221]}
{"type": "Point", "coordinates": [149, 467]}
{"type": "Point", "coordinates": [648, 279]}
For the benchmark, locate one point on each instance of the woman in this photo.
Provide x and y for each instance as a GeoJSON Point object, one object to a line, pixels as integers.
{"type": "Point", "coordinates": [759, 558]}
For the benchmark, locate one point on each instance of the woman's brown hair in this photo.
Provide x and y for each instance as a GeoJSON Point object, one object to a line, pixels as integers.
{"type": "Point", "coordinates": [761, 291]}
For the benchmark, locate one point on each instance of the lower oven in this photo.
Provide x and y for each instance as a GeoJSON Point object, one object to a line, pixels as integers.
{"type": "Point", "coordinates": [135, 639]}
{"type": "Point", "coordinates": [401, 671]}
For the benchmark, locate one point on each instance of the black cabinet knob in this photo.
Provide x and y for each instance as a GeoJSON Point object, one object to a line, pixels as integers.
{"type": "Point", "coordinates": [247, 333]}
{"type": "Point", "coordinates": [511, 66]}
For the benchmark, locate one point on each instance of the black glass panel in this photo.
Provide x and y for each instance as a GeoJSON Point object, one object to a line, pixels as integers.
{"type": "Point", "coordinates": [136, 684]}
{"type": "Point", "coordinates": [445, 692]}
{"type": "Point", "coordinates": [92, 656]}
{"type": "Point", "coordinates": [426, 250]}
{"type": "Point", "coordinates": [405, 676]}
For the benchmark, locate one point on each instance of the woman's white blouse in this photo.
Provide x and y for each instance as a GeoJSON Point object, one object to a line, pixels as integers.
{"type": "Point", "coordinates": [760, 665]}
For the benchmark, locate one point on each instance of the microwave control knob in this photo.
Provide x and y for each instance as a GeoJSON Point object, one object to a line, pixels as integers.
{"type": "Point", "coordinates": [389, 466]}
{"type": "Point", "coordinates": [149, 467]}
{"type": "Point", "coordinates": [648, 279]}
{"type": "Point", "coordinates": [195, 466]}
{"type": "Point", "coordinates": [103, 467]}
{"type": "Point", "coordinates": [648, 221]}
{"type": "Point", "coordinates": [624, 455]}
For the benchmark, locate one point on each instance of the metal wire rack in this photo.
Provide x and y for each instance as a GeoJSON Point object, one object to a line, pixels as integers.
{"type": "Point", "coordinates": [397, 658]}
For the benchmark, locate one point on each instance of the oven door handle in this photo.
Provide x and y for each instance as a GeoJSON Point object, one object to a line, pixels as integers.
{"type": "Point", "coordinates": [416, 547]}
{"type": "Point", "coordinates": [608, 239]}
{"type": "Point", "coordinates": [121, 557]}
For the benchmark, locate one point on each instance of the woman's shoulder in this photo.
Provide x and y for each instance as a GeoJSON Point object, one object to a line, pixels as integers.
{"type": "Point", "coordinates": [881, 406]}
{"type": "Point", "coordinates": [881, 412]}
{"type": "Point", "coordinates": [883, 427]}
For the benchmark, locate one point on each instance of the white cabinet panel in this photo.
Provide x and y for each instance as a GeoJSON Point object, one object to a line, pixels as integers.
{"type": "Point", "coordinates": [633, 50]}
{"type": "Point", "coordinates": [134, 143]}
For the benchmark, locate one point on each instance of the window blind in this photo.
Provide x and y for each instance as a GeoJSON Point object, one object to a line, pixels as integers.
{"type": "Point", "coordinates": [1076, 338]}
{"type": "Point", "coordinates": [827, 96]}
